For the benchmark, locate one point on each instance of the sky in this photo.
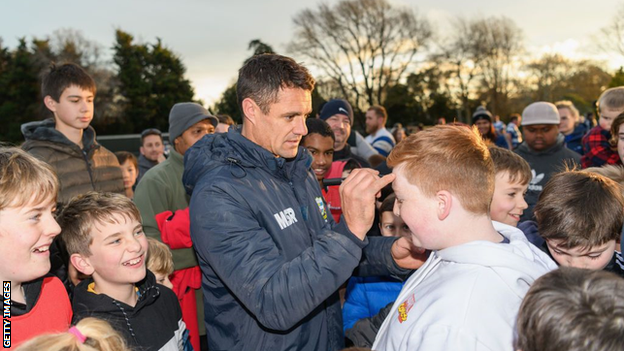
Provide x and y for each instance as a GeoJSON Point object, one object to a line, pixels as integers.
{"type": "Point", "coordinates": [211, 37]}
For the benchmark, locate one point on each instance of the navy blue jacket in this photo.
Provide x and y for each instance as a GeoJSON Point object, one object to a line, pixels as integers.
{"type": "Point", "coordinates": [574, 140]}
{"type": "Point", "coordinates": [272, 258]}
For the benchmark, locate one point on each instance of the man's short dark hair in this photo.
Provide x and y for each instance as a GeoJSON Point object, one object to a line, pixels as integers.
{"type": "Point", "coordinates": [380, 111]}
{"type": "Point", "coordinates": [263, 76]}
{"type": "Point", "coordinates": [59, 78]}
{"type": "Point", "coordinates": [148, 132]}
{"type": "Point", "coordinates": [572, 309]}
{"type": "Point", "coordinates": [514, 117]}
{"type": "Point", "coordinates": [318, 126]}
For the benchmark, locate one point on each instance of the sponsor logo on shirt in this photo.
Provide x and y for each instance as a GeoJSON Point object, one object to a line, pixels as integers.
{"type": "Point", "coordinates": [405, 307]}
{"type": "Point", "coordinates": [285, 218]}
{"type": "Point", "coordinates": [537, 178]}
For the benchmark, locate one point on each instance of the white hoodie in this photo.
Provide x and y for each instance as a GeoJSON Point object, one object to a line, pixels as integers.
{"type": "Point", "coordinates": [465, 297]}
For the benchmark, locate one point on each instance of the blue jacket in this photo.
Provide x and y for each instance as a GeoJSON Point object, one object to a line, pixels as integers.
{"type": "Point", "coordinates": [365, 296]}
{"type": "Point", "coordinates": [272, 258]}
{"type": "Point", "coordinates": [574, 140]}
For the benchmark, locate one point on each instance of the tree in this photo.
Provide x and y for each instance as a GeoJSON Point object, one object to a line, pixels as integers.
{"type": "Point", "coordinates": [611, 38]}
{"type": "Point", "coordinates": [363, 46]}
{"type": "Point", "coordinates": [151, 80]}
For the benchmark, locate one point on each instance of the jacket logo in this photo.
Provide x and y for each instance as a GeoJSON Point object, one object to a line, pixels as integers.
{"type": "Point", "coordinates": [285, 218]}
{"type": "Point", "coordinates": [321, 206]}
{"type": "Point", "coordinates": [404, 308]}
{"type": "Point", "coordinates": [533, 184]}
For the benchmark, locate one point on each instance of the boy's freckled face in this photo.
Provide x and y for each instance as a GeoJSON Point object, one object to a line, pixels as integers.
{"type": "Point", "coordinates": [74, 108]}
{"type": "Point", "coordinates": [595, 258]}
{"type": "Point", "coordinates": [508, 201]}
{"type": "Point", "coordinates": [26, 234]}
{"type": "Point", "coordinates": [417, 211]}
{"type": "Point", "coordinates": [118, 252]}
{"type": "Point", "coordinates": [322, 150]}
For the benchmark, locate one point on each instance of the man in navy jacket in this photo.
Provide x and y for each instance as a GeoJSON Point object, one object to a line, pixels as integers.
{"type": "Point", "coordinates": [272, 258]}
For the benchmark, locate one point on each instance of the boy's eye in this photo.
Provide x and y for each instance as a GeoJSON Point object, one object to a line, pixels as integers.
{"type": "Point", "coordinates": [512, 194]}
{"type": "Point", "coordinates": [116, 241]}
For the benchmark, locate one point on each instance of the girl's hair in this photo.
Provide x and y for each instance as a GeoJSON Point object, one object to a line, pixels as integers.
{"type": "Point", "coordinates": [90, 334]}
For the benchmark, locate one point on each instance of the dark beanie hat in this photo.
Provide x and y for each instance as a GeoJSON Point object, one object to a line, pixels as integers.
{"type": "Point", "coordinates": [184, 115]}
{"type": "Point", "coordinates": [336, 107]}
{"type": "Point", "coordinates": [481, 113]}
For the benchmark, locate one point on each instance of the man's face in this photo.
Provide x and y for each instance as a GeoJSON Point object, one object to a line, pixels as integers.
{"type": "Point", "coordinates": [192, 135]}
{"type": "Point", "coordinates": [322, 150]}
{"type": "Point", "coordinates": [595, 258]}
{"type": "Point", "coordinates": [118, 253]}
{"type": "Point", "coordinates": [74, 110]}
{"type": "Point", "coordinates": [26, 234]}
{"type": "Point", "coordinates": [607, 116]}
{"type": "Point", "coordinates": [508, 201]}
{"type": "Point", "coordinates": [341, 126]}
{"type": "Point", "coordinates": [620, 143]}
{"type": "Point", "coordinates": [540, 137]}
{"type": "Point", "coordinates": [281, 129]}
{"type": "Point", "coordinates": [153, 147]}
{"type": "Point", "coordinates": [373, 122]}
{"type": "Point", "coordinates": [568, 120]}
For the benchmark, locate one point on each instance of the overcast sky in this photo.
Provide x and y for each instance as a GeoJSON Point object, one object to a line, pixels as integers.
{"type": "Point", "coordinates": [211, 37]}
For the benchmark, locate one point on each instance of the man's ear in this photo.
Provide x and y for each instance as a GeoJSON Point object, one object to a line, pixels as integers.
{"type": "Point", "coordinates": [49, 102]}
{"type": "Point", "coordinates": [141, 150]}
{"type": "Point", "coordinates": [81, 263]}
{"type": "Point", "coordinates": [250, 110]}
{"type": "Point", "coordinates": [445, 202]}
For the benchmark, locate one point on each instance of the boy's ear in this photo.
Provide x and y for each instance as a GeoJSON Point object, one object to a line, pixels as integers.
{"type": "Point", "coordinates": [81, 264]}
{"type": "Point", "coordinates": [445, 202]}
{"type": "Point", "coordinates": [49, 102]}
{"type": "Point", "coordinates": [249, 110]}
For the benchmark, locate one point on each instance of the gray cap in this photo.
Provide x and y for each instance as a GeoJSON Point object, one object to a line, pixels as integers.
{"type": "Point", "coordinates": [540, 112]}
{"type": "Point", "coordinates": [184, 115]}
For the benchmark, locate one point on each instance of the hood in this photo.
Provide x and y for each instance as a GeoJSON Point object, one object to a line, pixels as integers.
{"type": "Point", "coordinates": [518, 263]}
{"type": "Point", "coordinates": [524, 147]}
{"type": "Point", "coordinates": [45, 131]}
{"type": "Point", "coordinates": [238, 153]}
{"type": "Point", "coordinates": [86, 303]}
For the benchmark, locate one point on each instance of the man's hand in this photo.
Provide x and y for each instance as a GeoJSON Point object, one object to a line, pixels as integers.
{"type": "Point", "coordinates": [357, 196]}
{"type": "Point", "coordinates": [408, 256]}
{"type": "Point", "coordinates": [161, 158]}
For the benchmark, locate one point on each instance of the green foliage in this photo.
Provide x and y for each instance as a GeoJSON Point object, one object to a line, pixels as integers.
{"type": "Point", "coordinates": [618, 79]}
{"type": "Point", "coordinates": [19, 91]}
{"type": "Point", "coordinates": [151, 80]}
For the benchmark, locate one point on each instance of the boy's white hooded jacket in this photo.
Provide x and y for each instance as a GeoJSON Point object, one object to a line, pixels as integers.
{"type": "Point", "coordinates": [465, 297]}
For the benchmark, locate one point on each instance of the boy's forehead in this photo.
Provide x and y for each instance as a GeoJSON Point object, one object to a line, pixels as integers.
{"type": "Point", "coordinates": [317, 140]}
{"type": "Point", "coordinates": [611, 112]}
{"type": "Point", "coordinates": [111, 223]}
{"type": "Point", "coordinates": [504, 177]}
{"type": "Point", "coordinates": [75, 90]}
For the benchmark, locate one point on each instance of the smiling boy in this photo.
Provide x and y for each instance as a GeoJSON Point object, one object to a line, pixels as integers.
{"type": "Point", "coordinates": [511, 182]}
{"type": "Point", "coordinates": [105, 239]}
{"type": "Point", "coordinates": [28, 189]}
{"type": "Point", "coordinates": [67, 142]}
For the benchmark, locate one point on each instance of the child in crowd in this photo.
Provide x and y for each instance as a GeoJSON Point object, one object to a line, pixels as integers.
{"type": "Point", "coordinates": [105, 239]}
{"type": "Point", "coordinates": [617, 136]}
{"type": "Point", "coordinates": [160, 262]}
{"type": "Point", "coordinates": [365, 296]}
{"type": "Point", "coordinates": [67, 142]}
{"type": "Point", "coordinates": [579, 219]}
{"type": "Point", "coordinates": [482, 118]}
{"type": "Point", "coordinates": [468, 292]}
{"type": "Point", "coordinates": [39, 303]}
{"type": "Point", "coordinates": [511, 182]}
{"type": "Point", "coordinates": [572, 309]}
{"type": "Point", "coordinates": [570, 126]}
{"type": "Point", "coordinates": [90, 334]}
{"type": "Point", "coordinates": [320, 144]}
{"type": "Point", "coordinates": [596, 143]}
{"type": "Point", "coordinates": [543, 148]}
{"type": "Point", "coordinates": [129, 169]}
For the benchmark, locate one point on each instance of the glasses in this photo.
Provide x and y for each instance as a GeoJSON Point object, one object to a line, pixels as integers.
{"type": "Point", "coordinates": [151, 131]}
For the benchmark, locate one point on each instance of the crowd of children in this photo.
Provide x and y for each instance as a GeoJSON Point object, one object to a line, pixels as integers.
{"type": "Point", "coordinates": [492, 224]}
